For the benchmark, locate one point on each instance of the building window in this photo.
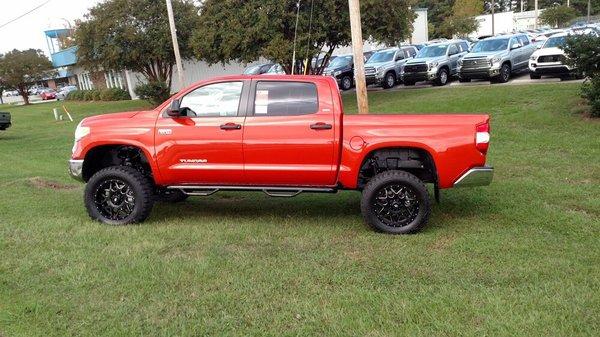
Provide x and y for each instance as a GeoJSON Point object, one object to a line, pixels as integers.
{"type": "Point", "coordinates": [114, 79]}
{"type": "Point", "coordinates": [85, 81]}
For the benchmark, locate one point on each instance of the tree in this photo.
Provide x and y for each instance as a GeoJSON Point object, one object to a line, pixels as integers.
{"type": "Point", "coordinates": [558, 16]}
{"type": "Point", "coordinates": [438, 11]}
{"type": "Point", "coordinates": [583, 52]}
{"type": "Point", "coordinates": [21, 69]}
{"type": "Point", "coordinates": [458, 26]}
{"type": "Point", "coordinates": [245, 31]}
{"type": "Point", "coordinates": [135, 35]}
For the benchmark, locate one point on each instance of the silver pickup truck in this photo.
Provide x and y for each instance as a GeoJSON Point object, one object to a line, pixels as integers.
{"type": "Point", "coordinates": [4, 121]}
{"type": "Point", "coordinates": [496, 58]}
{"type": "Point", "coordinates": [385, 66]}
{"type": "Point", "coordinates": [435, 63]}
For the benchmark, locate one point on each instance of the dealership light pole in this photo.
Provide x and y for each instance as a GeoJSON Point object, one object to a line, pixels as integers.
{"type": "Point", "coordinates": [359, 61]}
{"type": "Point", "coordinates": [535, 23]}
{"type": "Point", "coordinates": [175, 44]}
{"type": "Point", "coordinates": [493, 11]}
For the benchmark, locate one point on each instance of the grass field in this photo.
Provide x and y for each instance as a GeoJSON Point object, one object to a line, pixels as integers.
{"type": "Point", "coordinates": [520, 257]}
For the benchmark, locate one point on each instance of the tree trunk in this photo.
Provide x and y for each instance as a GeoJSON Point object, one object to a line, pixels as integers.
{"type": "Point", "coordinates": [25, 94]}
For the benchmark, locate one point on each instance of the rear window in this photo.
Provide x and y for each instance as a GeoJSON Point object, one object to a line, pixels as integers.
{"type": "Point", "coordinates": [285, 99]}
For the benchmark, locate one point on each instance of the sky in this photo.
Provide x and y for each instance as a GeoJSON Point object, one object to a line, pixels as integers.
{"type": "Point", "coordinates": [28, 31]}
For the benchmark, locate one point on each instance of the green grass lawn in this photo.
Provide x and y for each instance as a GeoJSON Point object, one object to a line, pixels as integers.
{"type": "Point", "coordinates": [520, 257]}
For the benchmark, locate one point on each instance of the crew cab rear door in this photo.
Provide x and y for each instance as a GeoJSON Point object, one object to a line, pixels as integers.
{"type": "Point", "coordinates": [289, 134]}
{"type": "Point", "coordinates": [205, 145]}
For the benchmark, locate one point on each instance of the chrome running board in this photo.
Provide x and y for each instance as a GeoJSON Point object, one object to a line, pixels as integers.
{"type": "Point", "coordinates": [272, 191]}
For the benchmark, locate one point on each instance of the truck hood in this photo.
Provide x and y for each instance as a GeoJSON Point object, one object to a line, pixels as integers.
{"type": "Point", "coordinates": [112, 118]}
{"type": "Point", "coordinates": [426, 60]}
{"type": "Point", "coordinates": [488, 54]}
{"type": "Point", "coordinates": [548, 51]}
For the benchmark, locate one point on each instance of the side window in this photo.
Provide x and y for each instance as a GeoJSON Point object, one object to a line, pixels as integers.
{"type": "Point", "coordinates": [213, 100]}
{"type": "Point", "coordinates": [407, 53]}
{"type": "Point", "coordinates": [524, 40]}
{"type": "Point", "coordinates": [452, 50]}
{"type": "Point", "coordinates": [399, 55]}
{"type": "Point", "coordinates": [285, 99]}
{"type": "Point", "coordinates": [513, 41]}
{"type": "Point", "coordinates": [464, 47]}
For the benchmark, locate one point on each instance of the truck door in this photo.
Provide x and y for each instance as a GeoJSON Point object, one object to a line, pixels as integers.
{"type": "Point", "coordinates": [289, 134]}
{"type": "Point", "coordinates": [205, 145]}
{"type": "Point", "coordinates": [453, 56]}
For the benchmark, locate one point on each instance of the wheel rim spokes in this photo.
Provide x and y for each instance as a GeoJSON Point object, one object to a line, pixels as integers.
{"type": "Point", "coordinates": [396, 205]}
{"type": "Point", "coordinates": [114, 199]}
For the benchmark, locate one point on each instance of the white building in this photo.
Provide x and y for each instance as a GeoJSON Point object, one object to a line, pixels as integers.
{"type": "Point", "coordinates": [505, 22]}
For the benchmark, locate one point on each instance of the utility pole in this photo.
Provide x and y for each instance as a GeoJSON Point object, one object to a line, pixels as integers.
{"type": "Point", "coordinates": [175, 44]}
{"type": "Point", "coordinates": [535, 24]}
{"type": "Point", "coordinates": [359, 62]}
{"type": "Point", "coordinates": [295, 35]}
{"type": "Point", "coordinates": [521, 5]}
{"type": "Point", "coordinates": [589, 10]}
{"type": "Point", "coordinates": [493, 10]}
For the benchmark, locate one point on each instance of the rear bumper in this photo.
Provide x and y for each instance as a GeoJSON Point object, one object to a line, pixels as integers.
{"type": "Point", "coordinates": [477, 176]}
{"type": "Point", "coordinates": [76, 169]}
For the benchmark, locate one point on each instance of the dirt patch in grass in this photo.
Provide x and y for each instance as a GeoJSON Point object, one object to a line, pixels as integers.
{"type": "Point", "coordinates": [441, 243]}
{"type": "Point", "coordinates": [39, 182]}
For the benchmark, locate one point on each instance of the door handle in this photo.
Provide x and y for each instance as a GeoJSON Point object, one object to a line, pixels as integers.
{"type": "Point", "coordinates": [231, 126]}
{"type": "Point", "coordinates": [321, 126]}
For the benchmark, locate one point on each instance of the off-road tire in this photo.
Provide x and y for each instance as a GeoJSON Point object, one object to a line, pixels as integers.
{"type": "Point", "coordinates": [439, 80]}
{"type": "Point", "coordinates": [346, 83]}
{"type": "Point", "coordinates": [401, 178]}
{"type": "Point", "coordinates": [142, 188]}
{"type": "Point", "coordinates": [386, 80]}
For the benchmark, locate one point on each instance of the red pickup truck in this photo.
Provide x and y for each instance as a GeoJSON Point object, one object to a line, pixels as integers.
{"type": "Point", "coordinates": [282, 135]}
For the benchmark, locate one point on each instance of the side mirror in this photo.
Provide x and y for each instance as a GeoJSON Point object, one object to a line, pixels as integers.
{"type": "Point", "coordinates": [515, 46]}
{"type": "Point", "coordinates": [539, 46]}
{"type": "Point", "coordinates": [174, 110]}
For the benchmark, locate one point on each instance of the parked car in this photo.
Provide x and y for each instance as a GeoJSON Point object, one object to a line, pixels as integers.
{"type": "Point", "coordinates": [4, 121]}
{"type": "Point", "coordinates": [10, 93]}
{"type": "Point", "coordinates": [48, 94]}
{"type": "Point", "coordinates": [496, 58]}
{"type": "Point", "coordinates": [385, 66]}
{"type": "Point", "coordinates": [435, 63]}
{"type": "Point", "coordinates": [342, 69]}
{"type": "Point", "coordinates": [282, 135]}
{"type": "Point", "coordinates": [258, 69]}
{"type": "Point", "coordinates": [64, 92]}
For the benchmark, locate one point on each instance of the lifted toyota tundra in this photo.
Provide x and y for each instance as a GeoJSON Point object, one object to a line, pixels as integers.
{"type": "Point", "coordinates": [282, 135]}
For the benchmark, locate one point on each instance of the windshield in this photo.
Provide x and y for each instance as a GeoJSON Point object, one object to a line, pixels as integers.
{"type": "Point", "coordinates": [433, 51]}
{"type": "Point", "coordinates": [558, 42]}
{"type": "Point", "coordinates": [382, 56]}
{"type": "Point", "coordinates": [252, 70]}
{"type": "Point", "coordinates": [490, 45]}
{"type": "Point", "coordinates": [339, 62]}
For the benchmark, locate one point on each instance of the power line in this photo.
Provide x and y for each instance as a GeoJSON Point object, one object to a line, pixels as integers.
{"type": "Point", "coordinates": [24, 14]}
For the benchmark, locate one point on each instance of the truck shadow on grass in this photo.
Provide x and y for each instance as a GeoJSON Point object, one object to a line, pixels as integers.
{"type": "Point", "coordinates": [320, 209]}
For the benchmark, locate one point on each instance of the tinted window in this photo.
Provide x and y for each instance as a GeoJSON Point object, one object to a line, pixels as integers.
{"type": "Point", "coordinates": [464, 46]}
{"type": "Point", "coordinates": [433, 51]}
{"type": "Point", "coordinates": [490, 45]}
{"type": "Point", "coordinates": [285, 99]}
{"type": "Point", "coordinates": [382, 56]}
{"type": "Point", "coordinates": [524, 40]}
{"type": "Point", "coordinates": [213, 100]}
{"type": "Point", "coordinates": [453, 50]}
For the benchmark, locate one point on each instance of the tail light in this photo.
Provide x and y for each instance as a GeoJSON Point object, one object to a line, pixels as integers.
{"type": "Point", "coordinates": [482, 137]}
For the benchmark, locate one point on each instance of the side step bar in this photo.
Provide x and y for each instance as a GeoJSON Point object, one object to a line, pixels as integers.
{"type": "Point", "coordinates": [272, 191]}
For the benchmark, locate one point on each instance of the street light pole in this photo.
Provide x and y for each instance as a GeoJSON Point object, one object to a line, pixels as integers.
{"type": "Point", "coordinates": [175, 44]}
{"type": "Point", "coordinates": [359, 62]}
{"type": "Point", "coordinates": [295, 36]}
{"type": "Point", "coordinates": [493, 11]}
{"type": "Point", "coordinates": [535, 24]}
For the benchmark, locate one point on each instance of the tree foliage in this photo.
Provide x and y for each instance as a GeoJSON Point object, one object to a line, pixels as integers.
{"type": "Point", "coordinates": [245, 31]}
{"type": "Point", "coordinates": [583, 53]}
{"type": "Point", "coordinates": [21, 69]}
{"type": "Point", "coordinates": [134, 35]}
{"type": "Point", "coordinates": [458, 26]}
{"type": "Point", "coordinates": [558, 16]}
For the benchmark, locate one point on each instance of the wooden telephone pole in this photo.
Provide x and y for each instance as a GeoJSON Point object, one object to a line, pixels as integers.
{"type": "Point", "coordinates": [359, 61]}
{"type": "Point", "coordinates": [175, 45]}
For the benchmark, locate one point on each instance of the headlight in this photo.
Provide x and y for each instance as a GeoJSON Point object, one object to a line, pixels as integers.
{"type": "Point", "coordinates": [432, 65]}
{"type": "Point", "coordinates": [494, 60]}
{"type": "Point", "coordinates": [337, 73]}
{"type": "Point", "coordinates": [533, 58]}
{"type": "Point", "coordinates": [81, 131]}
{"type": "Point", "coordinates": [460, 63]}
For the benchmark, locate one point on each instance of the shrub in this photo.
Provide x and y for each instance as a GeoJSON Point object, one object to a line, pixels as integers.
{"type": "Point", "coordinates": [155, 92]}
{"type": "Point", "coordinates": [584, 53]}
{"type": "Point", "coordinates": [76, 95]}
{"type": "Point", "coordinates": [114, 94]}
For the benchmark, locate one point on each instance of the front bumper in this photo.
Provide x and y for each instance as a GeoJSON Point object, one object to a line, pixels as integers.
{"type": "Point", "coordinates": [76, 169]}
{"type": "Point", "coordinates": [477, 176]}
{"type": "Point", "coordinates": [373, 79]}
{"type": "Point", "coordinates": [420, 76]}
{"type": "Point", "coordinates": [557, 69]}
{"type": "Point", "coordinates": [483, 73]}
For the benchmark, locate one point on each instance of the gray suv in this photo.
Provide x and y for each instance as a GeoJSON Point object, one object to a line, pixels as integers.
{"type": "Point", "coordinates": [435, 63]}
{"type": "Point", "coordinates": [385, 66]}
{"type": "Point", "coordinates": [496, 58]}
